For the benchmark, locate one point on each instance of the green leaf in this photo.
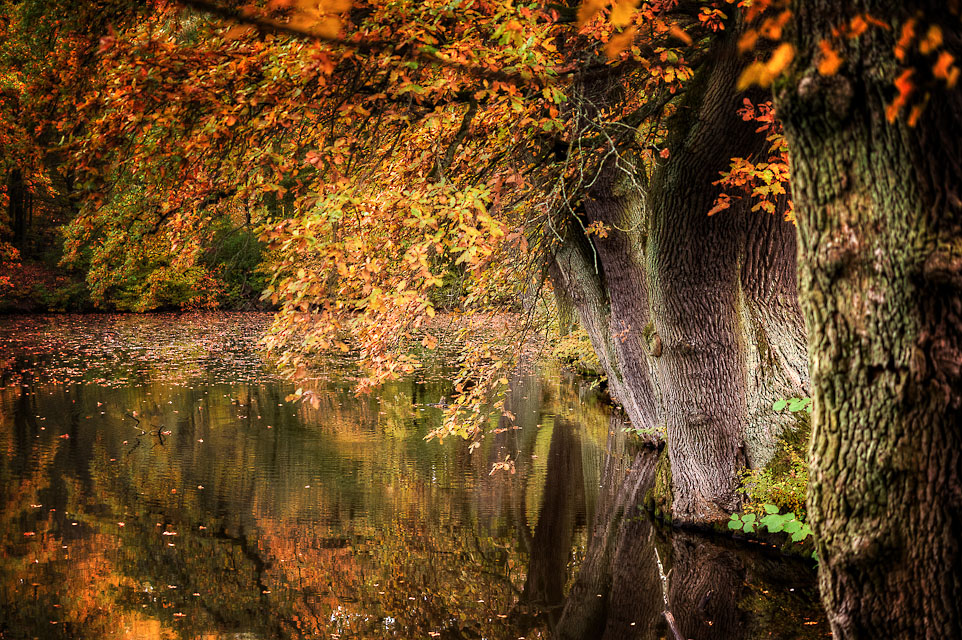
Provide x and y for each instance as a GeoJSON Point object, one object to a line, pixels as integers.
{"type": "Point", "coordinates": [798, 536]}
{"type": "Point", "coordinates": [748, 528]}
{"type": "Point", "coordinates": [770, 508]}
{"type": "Point", "coordinates": [775, 522]}
{"type": "Point", "coordinates": [779, 405]}
{"type": "Point", "coordinates": [734, 524]}
{"type": "Point", "coordinates": [748, 518]}
{"type": "Point", "coordinates": [798, 404]}
{"type": "Point", "coordinates": [793, 526]}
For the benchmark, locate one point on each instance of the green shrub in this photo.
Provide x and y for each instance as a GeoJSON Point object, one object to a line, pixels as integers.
{"type": "Point", "coordinates": [785, 488]}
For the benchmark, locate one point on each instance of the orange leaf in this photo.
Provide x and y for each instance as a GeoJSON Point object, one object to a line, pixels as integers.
{"type": "Point", "coordinates": [722, 203]}
{"type": "Point", "coordinates": [680, 33]}
{"type": "Point", "coordinates": [623, 12]}
{"type": "Point", "coordinates": [747, 41]}
{"type": "Point", "coordinates": [905, 87]}
{"type": "Point", "coordinates": [619, 42]}
{"type": "Point", "coordinates": [857, 26]}
{"type": "Point", "coordinates": [908, 34]}
{"type": "Point", "coordinates": [945, 70]}
{"type": "Point", "coordinates": [588, 10]}
{"type": "Point", "coordinates": [932, 41]}
{"type": "Point", "coordinates": [914, 115]}
{"type": "Point", "coordinates": [829, 61]}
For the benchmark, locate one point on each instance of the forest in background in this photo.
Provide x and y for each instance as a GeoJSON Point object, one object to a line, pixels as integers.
{"type": "Point", "coordinates": [368, 164]}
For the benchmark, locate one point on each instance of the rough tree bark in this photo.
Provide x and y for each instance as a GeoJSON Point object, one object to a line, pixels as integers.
{"type": "Point", "coordinates": [694, 318]}
{"type": "Point", "coordinates": [880, 227]}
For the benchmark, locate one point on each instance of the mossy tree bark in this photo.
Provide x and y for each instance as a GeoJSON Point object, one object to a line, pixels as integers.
{"type": "Point", "coordinates": [880, 228]}
{"type": "Point", "coordinates": [694, 318]}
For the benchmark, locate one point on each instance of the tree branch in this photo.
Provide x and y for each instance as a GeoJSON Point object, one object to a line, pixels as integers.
{"type": "Point", "coordinates": [422, 53]}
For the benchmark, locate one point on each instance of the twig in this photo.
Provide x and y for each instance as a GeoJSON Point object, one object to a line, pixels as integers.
{"type": "Point", "coordinates": [664, 592]}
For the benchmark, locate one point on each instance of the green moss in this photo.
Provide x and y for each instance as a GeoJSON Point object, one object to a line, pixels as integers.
{"type": "Point", "coordinates": [648, 333]}
{"type": "Point", "coordinates": [659, 499]}
{"type": "Point", "coordinates": [574, 350]}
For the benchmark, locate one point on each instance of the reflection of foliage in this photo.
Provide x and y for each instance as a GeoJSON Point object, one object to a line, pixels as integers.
{"type": "Point", "coordinates": [783, 613]}
{"type": "Point", "coordinates": [286, 521]}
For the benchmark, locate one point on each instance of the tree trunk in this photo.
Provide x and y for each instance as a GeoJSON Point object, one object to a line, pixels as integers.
{"type": "Point", "coordinates": [880, 227]}
{"type": "Point", "coordinates": [694, 318]}
{"type": "Point", "coordinates": [17, 193]}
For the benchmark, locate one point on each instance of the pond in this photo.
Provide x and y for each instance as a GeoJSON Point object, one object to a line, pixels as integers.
{"type": "Point", "coordinates": [155, 483]}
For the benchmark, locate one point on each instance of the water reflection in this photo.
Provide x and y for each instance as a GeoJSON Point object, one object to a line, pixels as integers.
{"type": "Point", "coordinates": [641, 580]}
{"type": "Point", "coordinates": [159, 497]}
{"type": "Point", "coordinates": [154, 483]}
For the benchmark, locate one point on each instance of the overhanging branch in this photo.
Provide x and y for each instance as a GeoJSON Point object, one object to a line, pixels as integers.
{"type": "Point", "coordinates": [423, 53]}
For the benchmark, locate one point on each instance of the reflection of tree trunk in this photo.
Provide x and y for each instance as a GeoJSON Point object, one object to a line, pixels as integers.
{"type": "Point", "coordinates": [618, 591]}
{"type": "Point", "coordinates": [705, 587]}
{"type": "Point", "coordinates": [561, 505]}
{"type": "Point", "coordinates": [587, 606]}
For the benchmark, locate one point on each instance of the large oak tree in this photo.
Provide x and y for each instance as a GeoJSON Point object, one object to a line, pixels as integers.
{"type": "Point", "coordinates": [877, 178]}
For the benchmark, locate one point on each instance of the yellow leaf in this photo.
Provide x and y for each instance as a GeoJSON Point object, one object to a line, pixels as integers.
{"type": "Point", "coordinates": [763, 73]}
{"type": "Point", "coordinates": [780, 59]}
{"type": "Point", "coordinates": [619, 42]}
{"type": "Point", "coordinates": [588, 10]}
{"type": "Point", "coordinates": [622, 12]}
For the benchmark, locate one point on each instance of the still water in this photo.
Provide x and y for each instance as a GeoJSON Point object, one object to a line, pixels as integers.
{"type": "Point", "coordinates": [155, 483]}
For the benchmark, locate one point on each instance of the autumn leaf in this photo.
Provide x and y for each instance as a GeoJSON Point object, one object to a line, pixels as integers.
{"type": "Point", "coordinates": [931, 41]}
{"type": "Point", "coordinates": [622, 12]}
{"type": "Point", "coordinates": [680, 33]}
{"type": "Point", "coordinates": [763, 73]}
{"type": "Point", "coordinates": [829, 61]}
{"type": "Point", "coordinates": [619, 42]}
{"type": "Point", "coordinates": [944, 69]}
{"type": "Point", "coordinates": [588, 10]}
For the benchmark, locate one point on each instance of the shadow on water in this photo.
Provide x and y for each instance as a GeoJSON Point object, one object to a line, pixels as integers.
{"type": "Point", "coordinates": [155, 483]}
